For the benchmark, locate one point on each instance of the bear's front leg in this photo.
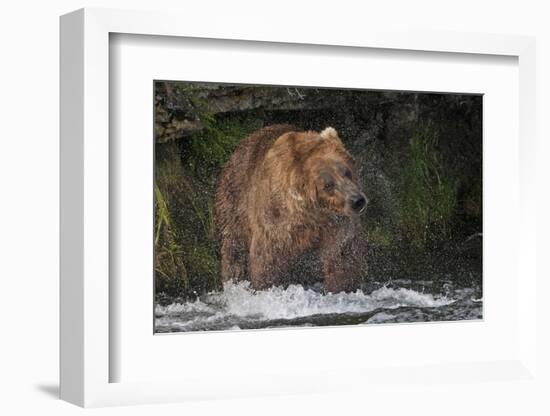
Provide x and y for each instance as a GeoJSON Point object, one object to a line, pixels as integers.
{"type": "Point", "coordinates": [341, 263]}
{"type": "Point", "coordinates": [266, 265]}
{"type": "Point", "coordinates": [234, 260]}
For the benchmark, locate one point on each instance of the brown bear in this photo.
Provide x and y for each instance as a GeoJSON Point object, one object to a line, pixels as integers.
{"type": "Point", "coordinates": [284, 193]}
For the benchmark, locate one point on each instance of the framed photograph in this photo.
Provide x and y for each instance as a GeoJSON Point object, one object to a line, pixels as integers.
{"type": "Point", "coordinates": [369, 212]}
{"type": "Point", "coordinates": [269, 213]}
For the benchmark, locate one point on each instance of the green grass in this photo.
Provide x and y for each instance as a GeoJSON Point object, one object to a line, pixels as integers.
{"type": "Point", "coordinates": [427, 193]}
{"type": "Point", "coordinates": [170, 268]}
{"type": "Point", "coordinates": [185, 246]}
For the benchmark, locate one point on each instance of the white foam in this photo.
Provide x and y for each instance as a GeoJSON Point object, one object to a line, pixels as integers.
{"type": "Point", "coordinates": [239, 301]}
{"type": "Point", "coordinates": [182, 308]}
{"type": "Point", "coordinates": [380, 317]}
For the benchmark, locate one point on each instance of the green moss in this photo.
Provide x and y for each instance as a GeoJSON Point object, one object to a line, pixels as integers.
{"type": "Point", "coordinates": [427, 193]}
{"type": "Point", "coordinates": [212, 146]}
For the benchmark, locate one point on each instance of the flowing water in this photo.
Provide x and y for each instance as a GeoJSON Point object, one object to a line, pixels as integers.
{"type": "Point", "coordinates": [403, 300]}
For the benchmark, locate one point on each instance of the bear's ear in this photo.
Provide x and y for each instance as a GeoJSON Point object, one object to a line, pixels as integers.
{"type": "Point", "coordinates": [330, 134]}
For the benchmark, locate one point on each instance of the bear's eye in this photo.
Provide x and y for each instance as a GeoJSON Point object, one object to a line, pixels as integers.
{"type": "Point", "coordinates": [347, 173]}
{"type": "Point", "coordinates": [329, 186]}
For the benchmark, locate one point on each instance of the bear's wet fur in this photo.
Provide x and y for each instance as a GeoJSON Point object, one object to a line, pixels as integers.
{"type": "Point", "coordinates": [287, 196]}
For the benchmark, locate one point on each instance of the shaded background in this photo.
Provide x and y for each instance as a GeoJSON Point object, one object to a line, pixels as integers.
{"type": "Point", "coordinates": [419, 156]}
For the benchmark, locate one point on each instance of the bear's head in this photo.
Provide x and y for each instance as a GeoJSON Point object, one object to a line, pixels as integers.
{"type": "Point", "coordinates": [330, 176]}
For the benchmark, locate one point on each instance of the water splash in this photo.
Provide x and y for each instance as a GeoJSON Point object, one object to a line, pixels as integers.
{"type": "Point", "coordinates": [240, 307]}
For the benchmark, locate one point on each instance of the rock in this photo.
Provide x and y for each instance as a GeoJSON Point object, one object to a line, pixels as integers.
{"type": "Point", "coordinates": [179, 112]}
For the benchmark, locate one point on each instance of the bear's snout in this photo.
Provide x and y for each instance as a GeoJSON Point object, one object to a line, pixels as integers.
{"type": "Point", "coordinates": [358, 203]}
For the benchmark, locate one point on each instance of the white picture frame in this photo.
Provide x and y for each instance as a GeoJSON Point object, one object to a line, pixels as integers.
{"type": "Point", "coordinates": [85, 221]}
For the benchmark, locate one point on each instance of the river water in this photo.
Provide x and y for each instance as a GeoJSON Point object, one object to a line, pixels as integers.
{"type": "Point", "coordinates": [239, 307]}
